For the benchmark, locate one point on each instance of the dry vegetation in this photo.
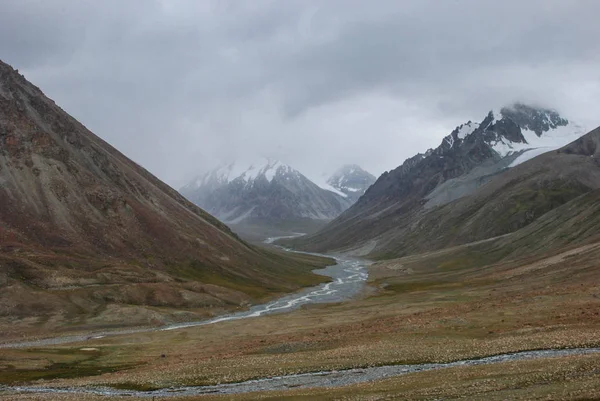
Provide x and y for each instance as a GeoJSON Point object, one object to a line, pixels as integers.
{"type": "Point", "coordinates": [425, 308]}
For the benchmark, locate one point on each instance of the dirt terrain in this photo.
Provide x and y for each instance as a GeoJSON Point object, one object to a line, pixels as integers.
{"type": "Point", "coordinates": [424, 308]}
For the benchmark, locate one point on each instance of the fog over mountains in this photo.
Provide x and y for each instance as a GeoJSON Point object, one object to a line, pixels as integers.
{"type": "Point", "coordinates": [403, 210]}
{"type": "Point", "coordinates": [315, 84]}
{"type": "Point", "coordinates": [270, 191]}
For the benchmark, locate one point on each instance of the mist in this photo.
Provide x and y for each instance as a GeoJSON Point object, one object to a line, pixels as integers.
{"type": "Point", "coordinates": [181, 86]}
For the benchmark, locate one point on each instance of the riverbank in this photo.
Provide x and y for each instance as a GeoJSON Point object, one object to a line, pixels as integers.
{"type": "Point", "coordinates": [422, 313]}
{"type": "Point", "coordinates": [312, 380]}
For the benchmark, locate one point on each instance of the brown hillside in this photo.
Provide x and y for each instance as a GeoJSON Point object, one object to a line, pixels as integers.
{"type": "Point", "coordinates": [83, 227]}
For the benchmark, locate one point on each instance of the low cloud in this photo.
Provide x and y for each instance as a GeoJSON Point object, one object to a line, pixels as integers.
{"type": "Point", "coordinates": [182, 85]}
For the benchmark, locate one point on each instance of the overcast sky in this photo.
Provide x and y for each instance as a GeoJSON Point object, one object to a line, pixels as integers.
{"type": "Point", "coordinates": [179, 86]}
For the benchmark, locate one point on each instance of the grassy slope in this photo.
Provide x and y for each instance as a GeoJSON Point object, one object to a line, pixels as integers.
{"type": "Point", "coordinates": [92, 294]}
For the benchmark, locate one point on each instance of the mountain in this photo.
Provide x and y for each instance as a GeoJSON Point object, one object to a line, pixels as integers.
{"type": "Point", "coordinates": [86, 232]}
{"type": "Point", "coordinates": [350, 180]}
{"type": "Point", "coordinates": [265, 190]}
{"type": "Point", "coordinates": [477, 184]}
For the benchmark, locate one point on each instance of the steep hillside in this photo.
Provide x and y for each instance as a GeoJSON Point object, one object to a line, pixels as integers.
{"type": "Point", "coordinates": [85, 231]}
{"type": "Point", "coordinates": [265, 190]}
{"type": "Point", "coordinates": [510, 201]}
{"type": "Point", "coordinates": [462, 191]}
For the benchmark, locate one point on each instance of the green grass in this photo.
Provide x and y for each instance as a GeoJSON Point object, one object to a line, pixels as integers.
{"type": "Point", "coordinates": [417, 286]}
{"type": "Point", "coordinates": [12, 376]}
{"type": "Point", "coordinates": [135, 386]}
{"type": "Point", "coordinates": [284, 272]}
{"type": "Point", "coordinates": [63, 363]}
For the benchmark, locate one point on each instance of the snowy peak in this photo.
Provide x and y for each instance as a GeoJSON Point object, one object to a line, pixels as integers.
{"type": "Point", "coordinates": [513, 129]}
{"type": "Point", "coordinates": [529, 130]}
{"type": "Point", "coordinates": [263, 190]}
{"type": "Point", "coordinates": [538, 120]}
{"type": "Point", "coordinates": [265, 168]}
{"type": "Point", "coordinates": [459, 134]}
{"type": "Point", "coordinates": [246, 172]}
{"type": "Point", "coordinates": [473, 151]}
{"type": "Point", "coordinates": [351, 180]}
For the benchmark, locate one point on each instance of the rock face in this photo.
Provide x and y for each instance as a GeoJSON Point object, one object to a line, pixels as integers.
{"type": "Point", "coordinates": [473, 155]}
{"type": "Point", "coordinates": [264, 190]}
{"type": "Point", "coordinates": [352, 181]}
{"type": "Point", "coordinates": [75, 212]}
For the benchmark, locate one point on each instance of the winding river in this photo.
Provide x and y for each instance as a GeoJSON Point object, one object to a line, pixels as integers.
{"type": "Point", "coordinates": [348, 279]}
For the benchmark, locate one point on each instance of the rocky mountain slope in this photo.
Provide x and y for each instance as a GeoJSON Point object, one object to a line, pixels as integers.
{"type": "Point", "coordinates": [264, 190]}
{"type": "Point", "coordinates": [464, 190]}
{"type": "Point", "coordinates": [351, 180]}
{"type": "Point", "coordinates": [84, 231]}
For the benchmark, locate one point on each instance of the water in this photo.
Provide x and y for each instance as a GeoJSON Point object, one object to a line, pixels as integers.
{"type": "Point", "coordinates": [332, 378]}
{"type": "Point", "coordinates": [348, 279]}
{"type": "Point", "coordinates": [349, 276]}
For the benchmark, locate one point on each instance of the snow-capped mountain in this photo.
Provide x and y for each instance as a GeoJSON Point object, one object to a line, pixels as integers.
{"type": "Point", "coordinates": [391, 212]}
{"type": "Point", "coordinates": [351, 181]}
{"type": "Point", "coordinates": [247, 172]}
{"type": "Point", "coordinates": [504, 139]}
{"type": "Point", "coordinates": [518, 129]}
{"type": "Point", "coordinates": [265, 190]}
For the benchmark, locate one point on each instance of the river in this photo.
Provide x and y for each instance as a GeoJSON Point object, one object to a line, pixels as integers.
{"type": "Point", "coordinates": [348, 279]}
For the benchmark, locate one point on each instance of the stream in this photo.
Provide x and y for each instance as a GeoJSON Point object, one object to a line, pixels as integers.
{"type": "Point", "coordinates": [348, 279]}
{"type": "Point", "coordinates": [332, 378]}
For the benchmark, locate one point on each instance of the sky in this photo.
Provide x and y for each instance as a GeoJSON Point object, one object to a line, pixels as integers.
{"type": "Point", "coordinates": [182, 86]}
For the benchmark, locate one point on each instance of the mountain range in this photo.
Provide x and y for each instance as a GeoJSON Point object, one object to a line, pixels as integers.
{"type": "Point", "coordinates": [484, 180]}
{"type": "Point", "coordinates": [88, 238]}
{"type": "Point", "coordinates": [272, 192]}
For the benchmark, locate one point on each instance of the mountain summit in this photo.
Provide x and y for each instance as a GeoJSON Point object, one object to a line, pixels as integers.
{"type": "Point", "coordinates": [472, 155]}
{"type": "Point", "coordinates": [516, 129]}
{"type": "Point", "coordinates": [265, 190]}
{"type": "Point", "coordinates": [351, 180]}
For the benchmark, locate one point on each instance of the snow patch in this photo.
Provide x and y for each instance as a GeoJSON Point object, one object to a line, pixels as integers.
{"type": "Point", "coordinates": [329, 188]}
{"type": "Point", "coordinates": [467, 129]}
{"type": "Point", "coordinates": [550, 140]}
{"type": "Point", "coordinates": [530, 154]}
{"type": "Point", "coordinates": [247, 172]}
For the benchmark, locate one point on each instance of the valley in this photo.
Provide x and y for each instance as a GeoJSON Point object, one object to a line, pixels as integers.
{"type": "Point", "coordinates": [417, 311]}
{"type": "Point", "coordinates": [467, 271]}
{"type": "Point", "coordinates": [346, 280]}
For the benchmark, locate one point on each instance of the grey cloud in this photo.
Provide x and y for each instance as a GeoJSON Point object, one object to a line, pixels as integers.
{"type": "Point", "coordinates": [180, 85]}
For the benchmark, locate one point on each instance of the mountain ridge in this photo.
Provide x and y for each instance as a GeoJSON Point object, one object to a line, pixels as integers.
{"type": "Point", "coordinates": [351, 180]}
{"type": "Point", "coordinates": [466, 160]}
{"type": "Point", "coordinates": [269, 190]}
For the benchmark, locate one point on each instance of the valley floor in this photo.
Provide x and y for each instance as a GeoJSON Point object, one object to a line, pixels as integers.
{"type": "Point", "coordinates": [424, 308]}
